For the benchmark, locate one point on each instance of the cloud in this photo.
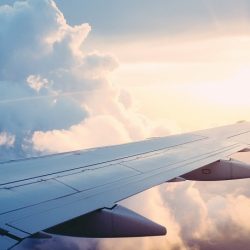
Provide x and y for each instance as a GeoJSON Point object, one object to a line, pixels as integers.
{"type": "Point", "coordinates": [86, 134]}
{"type": "Point", "coordinates": [58, 243]}
{"type": "Point", "coordinates": [6, 139]}
{"type": "Point", "coordinates": [23, 112]}
{"type": "Point", "coordinates": [51, 91]}
{"type": "Point", "coordinates": [39, 42]}
{"type": "Point", "coordinates": [36, 83]}
{"type": "Point", "coordinates": [50, 88]}
{"type": "Point", "coordinates": [36, 46]}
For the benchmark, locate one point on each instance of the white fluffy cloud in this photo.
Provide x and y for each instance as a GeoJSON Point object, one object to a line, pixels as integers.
{"type": "Point", "coordinates": [36, 83]}
{"type": "Point", "coordinates": [6, 139]}
{"type": "Point", "coordinates": [52, 93]}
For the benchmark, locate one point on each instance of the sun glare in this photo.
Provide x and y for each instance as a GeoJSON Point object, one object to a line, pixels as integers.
{"type": "Point", "coordinates": [204, 77]}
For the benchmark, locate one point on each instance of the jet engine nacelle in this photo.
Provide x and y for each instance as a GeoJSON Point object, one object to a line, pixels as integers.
{"type": "Point", "coordinates": [112, 222]}
{"type": "Point", "coordinates": [220, 170]}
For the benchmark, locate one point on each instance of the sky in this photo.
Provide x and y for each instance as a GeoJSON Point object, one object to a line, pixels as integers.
{"type": "Point", "coordinates": [192, 57]}
{"type": "Point", "coordinates": [135, 69]}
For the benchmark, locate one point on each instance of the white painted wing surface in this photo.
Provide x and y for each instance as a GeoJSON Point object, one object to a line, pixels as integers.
{"type": "Point", "coordinates": [39, 193]}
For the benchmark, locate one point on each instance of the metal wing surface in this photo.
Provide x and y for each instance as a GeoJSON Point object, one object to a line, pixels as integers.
{"type": "Point", "coordinates": [39, 193]}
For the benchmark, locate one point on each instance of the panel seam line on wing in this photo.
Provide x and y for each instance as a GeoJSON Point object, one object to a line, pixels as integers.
{"type": "Point", "coordinates": [95, 164]}
{"type": "Point", "coordinates": [66, 185]}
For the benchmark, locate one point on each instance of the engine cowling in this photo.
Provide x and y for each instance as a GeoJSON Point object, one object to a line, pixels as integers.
{"type": "Point", "coordinates": [220, 170]}
{"type": "Point", "coordinates": [112, 222]}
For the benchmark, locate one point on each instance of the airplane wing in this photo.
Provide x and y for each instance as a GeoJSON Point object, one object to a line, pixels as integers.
{"type": "Point", "coordinates": [76, 193]}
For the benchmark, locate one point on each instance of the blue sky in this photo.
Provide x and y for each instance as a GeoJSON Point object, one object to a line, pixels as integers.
{"type": "Point", "coordinates": [145, 17]}
{"type": "Point", "coordinates": [207, 41]}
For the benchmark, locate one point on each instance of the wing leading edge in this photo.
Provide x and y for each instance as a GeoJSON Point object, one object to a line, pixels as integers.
{"type": "Point", "coordinates": [52, 192]}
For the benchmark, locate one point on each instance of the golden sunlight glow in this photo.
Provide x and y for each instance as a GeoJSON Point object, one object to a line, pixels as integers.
{"type": "Point", "coordinates": [192, 82]}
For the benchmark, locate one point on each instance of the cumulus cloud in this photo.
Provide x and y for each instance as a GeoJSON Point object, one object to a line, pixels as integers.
{"type": "Point", "coordinates": [51, 91]}
{"type": "Point", "coordinates": [7, 139]}
{"type": "Point", "coordinates": [88, 131]}
{"type": "Point", "coordinates": [34, 42]}
{"type": "Point", "coordinates": [36, 83]}
{"type": "Point", "coordinates": [22, 113]}
{"type": "Point", "coordinates": [58, 243]}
